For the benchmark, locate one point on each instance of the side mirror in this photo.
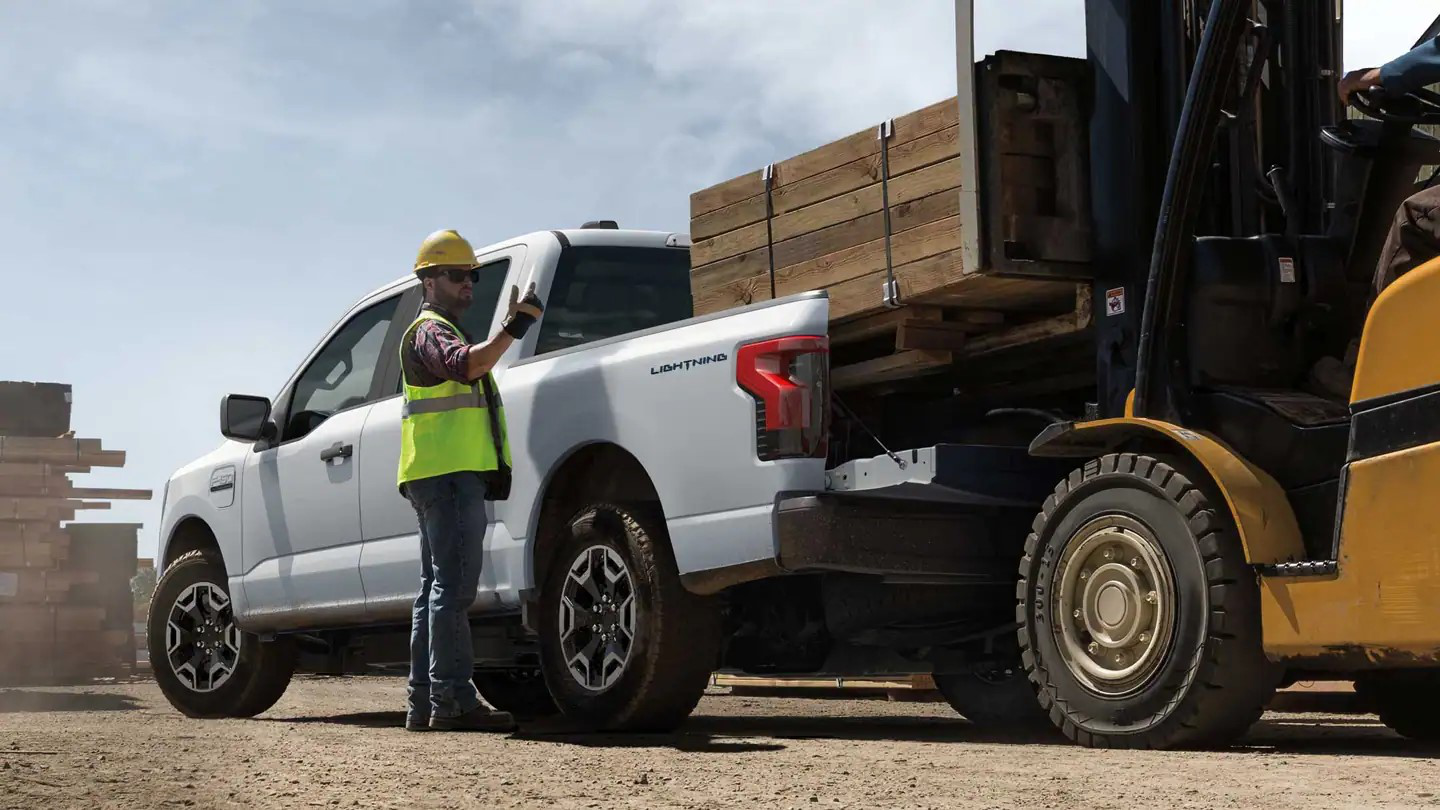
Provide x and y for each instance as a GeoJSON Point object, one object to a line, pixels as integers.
{"type": "Point", "coordinates": [245, 418]}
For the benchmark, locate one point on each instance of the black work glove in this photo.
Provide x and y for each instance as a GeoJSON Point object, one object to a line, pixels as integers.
{"type": "Point", "coordinates": [523, 312]}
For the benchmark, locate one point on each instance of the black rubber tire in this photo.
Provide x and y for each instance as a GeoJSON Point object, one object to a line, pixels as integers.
{"type": "Point", "coordinates": [522, 692]}
{"type": "Point", "coordinates": [1407, 702]}
{"type": "Point", "coordinates": [262, 670]}
{"type": "Point", "coordinates": [1003, 700]}
{"type": "Point", "coordinates": [1215, 680]}
{"type": "Point", "coordinates": [677, 633]}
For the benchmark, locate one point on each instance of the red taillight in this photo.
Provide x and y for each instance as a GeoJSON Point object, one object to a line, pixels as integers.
{"type": "Point", "coordinates": [787, 376]}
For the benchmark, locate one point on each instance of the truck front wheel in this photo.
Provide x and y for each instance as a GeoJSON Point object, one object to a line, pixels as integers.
{"type": "Point", "coordinates": [623, 645]}
{"type": "Point", "coordinates": [1139, 615]}
{"type": "Point", "coordinates": [205, 665]}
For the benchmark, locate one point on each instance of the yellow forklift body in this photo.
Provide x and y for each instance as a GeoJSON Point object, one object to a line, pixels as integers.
{"type": "Point", "coordinates": [1383, 606]}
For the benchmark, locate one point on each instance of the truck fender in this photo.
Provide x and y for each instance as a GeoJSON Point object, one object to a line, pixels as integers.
{"type": "Point", "coordinates": [1263, 516]}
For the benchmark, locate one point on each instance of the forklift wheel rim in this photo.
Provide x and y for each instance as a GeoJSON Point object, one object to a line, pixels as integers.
{"type": "Point", "coordinates": [1114, 605]}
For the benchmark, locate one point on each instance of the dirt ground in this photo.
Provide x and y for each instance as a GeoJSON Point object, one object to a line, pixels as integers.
{"type": "Point", "coordinates": [337, 742]}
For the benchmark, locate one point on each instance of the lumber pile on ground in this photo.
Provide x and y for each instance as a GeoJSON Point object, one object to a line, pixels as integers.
{"type": "Point", "coordinates": [66, 611]}
{"type": "Point", "coordinates": [939, 237]}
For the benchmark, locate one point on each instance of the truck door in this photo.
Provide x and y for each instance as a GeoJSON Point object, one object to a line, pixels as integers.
{"type": "Point", "coordinates": [300, 529]}
{"type": "Point", "coordinates": [390, 559]}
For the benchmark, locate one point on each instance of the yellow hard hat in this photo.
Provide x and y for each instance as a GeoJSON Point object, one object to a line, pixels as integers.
{"type": "Point", "coordinates": [445, 249]}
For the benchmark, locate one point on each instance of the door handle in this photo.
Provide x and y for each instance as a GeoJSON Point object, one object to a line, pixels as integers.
{"type": "Point", "coordinates": [337, 450]}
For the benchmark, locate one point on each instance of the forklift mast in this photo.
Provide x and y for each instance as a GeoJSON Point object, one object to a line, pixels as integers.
{"type": "Point", "coordinates": [1249, 160]}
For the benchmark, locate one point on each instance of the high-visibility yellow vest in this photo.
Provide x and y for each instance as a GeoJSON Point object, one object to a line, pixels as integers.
{"type": "Point", "coordinates": [447, 428]}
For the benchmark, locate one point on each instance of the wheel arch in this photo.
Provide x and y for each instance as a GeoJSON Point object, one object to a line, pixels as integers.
{"type": "Point", "coordinates": [1264, 519]}
{"type": "Point", "coordinates": [190, 533]}
{"type": "Point", "coordinates": [597, 471]}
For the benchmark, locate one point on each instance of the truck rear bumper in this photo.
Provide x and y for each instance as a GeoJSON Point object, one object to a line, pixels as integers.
{"type": "Point", "coordinates": [901, 538]}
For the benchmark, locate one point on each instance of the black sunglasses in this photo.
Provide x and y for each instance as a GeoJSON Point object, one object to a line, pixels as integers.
{"type": "Point", "coordinates": [457, 275]}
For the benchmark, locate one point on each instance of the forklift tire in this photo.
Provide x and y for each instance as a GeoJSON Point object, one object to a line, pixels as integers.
{"type": "Point", "coordinates": [521, 692]}
{"type": "Point", "coordinates": [1407, 702]}
{"type": "Point", "coordinates": [1139, 615]}
{"type": "Point", "coordinates": [1000, 700]}
{"type": "Point", "coordinates": [205, 665]}
{"type": "Point", "coordinates": [624, 647]}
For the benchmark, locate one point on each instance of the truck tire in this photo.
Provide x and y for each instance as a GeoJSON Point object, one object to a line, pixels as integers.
{"type": "Point", "coordinates": [1001, 699]}
{"type": "Point", "coordinates": [624, 646]}
{"type": "Point", "coordinates": [522, 692]}
{"type": "Point", "coordinates": [1139, 617]}
{"type": "Point", "coordinates": [1407, 702]}
{"type": "Point", "coordinates": [204, 664]}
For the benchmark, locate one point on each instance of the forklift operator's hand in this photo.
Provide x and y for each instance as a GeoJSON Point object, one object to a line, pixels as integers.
{"type": "Point", "coordinates": [1357, 81]}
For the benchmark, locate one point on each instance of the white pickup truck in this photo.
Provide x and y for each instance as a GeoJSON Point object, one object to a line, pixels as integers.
{"type": "Point", "coordinates": [671, 512]}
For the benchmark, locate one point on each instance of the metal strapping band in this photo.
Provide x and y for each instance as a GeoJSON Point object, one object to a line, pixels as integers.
{"type": "Point", "coordinates": [470, 399]}
{"type": "Point", "coordinates": [769, 174]}
{"type": "Point", "coordinates": [891, 291]}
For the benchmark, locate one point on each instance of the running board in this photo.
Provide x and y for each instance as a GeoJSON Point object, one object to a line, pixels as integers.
{"type": "Point", "coordinates": [1304, 568]}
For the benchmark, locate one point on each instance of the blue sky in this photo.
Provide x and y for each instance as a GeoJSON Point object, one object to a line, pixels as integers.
{"type": "Point", "coordinates": [191, 193]}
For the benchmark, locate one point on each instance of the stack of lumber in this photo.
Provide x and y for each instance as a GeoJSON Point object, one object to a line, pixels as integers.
{"type": "Point", "coordinates": [62, 615]}
{"type": "Point", "coordinates": [986, 255]}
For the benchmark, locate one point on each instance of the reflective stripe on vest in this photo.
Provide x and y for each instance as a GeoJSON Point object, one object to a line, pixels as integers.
{"type": "Point", "coordinates": [447, 427]}
{"type": "Point", "coordinates": [474, 398]}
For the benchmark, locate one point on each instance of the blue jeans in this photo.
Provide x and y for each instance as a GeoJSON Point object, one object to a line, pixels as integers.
{"type": "Point", "coordinates": [453, 516]}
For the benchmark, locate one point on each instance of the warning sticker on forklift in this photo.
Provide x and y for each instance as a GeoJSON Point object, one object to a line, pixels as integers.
{"type": "Point", "coordinates": [1287, 270]}
{"type": "Point", "coordinates": [1115, 301]}
{"type": "Point", "coordinates": [1187, 435]}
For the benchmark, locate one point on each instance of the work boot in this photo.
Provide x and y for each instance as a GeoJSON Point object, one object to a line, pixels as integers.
{"type": "Point", "coordinates": [417, 722]}
{"type": "Point", "coordinates": [480, 718]}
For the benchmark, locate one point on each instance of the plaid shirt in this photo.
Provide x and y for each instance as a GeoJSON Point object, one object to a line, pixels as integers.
{"type": "Point", "coordinates": [437, 353]}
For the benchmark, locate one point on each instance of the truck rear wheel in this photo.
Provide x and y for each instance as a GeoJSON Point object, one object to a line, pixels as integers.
{"type": "Point", "coordinates": [205, 665]}
{"type": "Point", "coordinates": [623, 645]}
{"type": "Point", "coordinates": [1139, 615]}
{"type": "Point", "coordinates": [996, 699]}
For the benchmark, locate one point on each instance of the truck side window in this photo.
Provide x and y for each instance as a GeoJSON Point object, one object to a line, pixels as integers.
{"type": "Point", "coordinates": [342, 372]}
{"type": "Point", "coordinates": [601, 292]}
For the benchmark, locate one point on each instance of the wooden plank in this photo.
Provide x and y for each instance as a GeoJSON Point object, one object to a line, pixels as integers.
{"type": "Point", "coordinates": [910, 246]}
{"type": "Point", "coordinates": [37, 469]}
{"type": "Point", "coordinates": [862, 294]}
{"type": "Point", "coordinates": [112, 494]}
{"type": "Point", "coordinates": [808, 246]}
{"type": "Point", "coordinates": [888, 322]}
{"type": "Point", "coordinates": [907, 157]}
{"type": "Point", "coordinates": [923, 334]}
{"type": "Point", "coordinates": [61, 450]}
{"type": "Point", "coordinates": [903, 188]}
{"type": "Point", "coordinates": [1070, 324]}
{"type": "Point", "coordinates": [913, 245]}
{"type": "Point", "coordinates": [901, 365]}
{"type": "Point", "coordinates": [880, 324]}
{"type": "Point", "coordinates": [908, 127]}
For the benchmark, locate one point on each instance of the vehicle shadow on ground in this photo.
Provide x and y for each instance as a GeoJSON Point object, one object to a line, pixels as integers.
{"type": "Point", "coordinates": [26, 700]}
{"type": "Point", "coordinates": [1358, 735]}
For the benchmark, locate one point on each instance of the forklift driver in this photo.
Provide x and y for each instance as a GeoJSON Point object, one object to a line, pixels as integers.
{"type": "Point", "coordinates": [1415, 235]}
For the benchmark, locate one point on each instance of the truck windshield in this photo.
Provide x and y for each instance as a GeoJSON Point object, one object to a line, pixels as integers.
{"type": "Point", "coordinates": [601, 292]}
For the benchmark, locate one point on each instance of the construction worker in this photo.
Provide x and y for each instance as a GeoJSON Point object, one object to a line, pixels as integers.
{"type": "Point", "coordinates": [1415, 235]}
{"type": "Point", "coordinates": [454, 458]}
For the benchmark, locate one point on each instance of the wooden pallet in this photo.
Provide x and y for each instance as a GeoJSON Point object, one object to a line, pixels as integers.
{"type": "Point", "coordinates": [927, 338]}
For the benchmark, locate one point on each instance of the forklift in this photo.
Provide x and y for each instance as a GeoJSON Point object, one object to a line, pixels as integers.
{"type": "Point", "coordinates": [1227, 527]}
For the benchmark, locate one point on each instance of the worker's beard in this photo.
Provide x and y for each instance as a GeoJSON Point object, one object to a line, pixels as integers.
{"type": "Point", "coordinates": [450, 301]}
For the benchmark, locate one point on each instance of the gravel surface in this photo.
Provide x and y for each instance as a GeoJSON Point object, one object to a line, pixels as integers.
{"type": "Point", "coordinates": [337, 742]}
